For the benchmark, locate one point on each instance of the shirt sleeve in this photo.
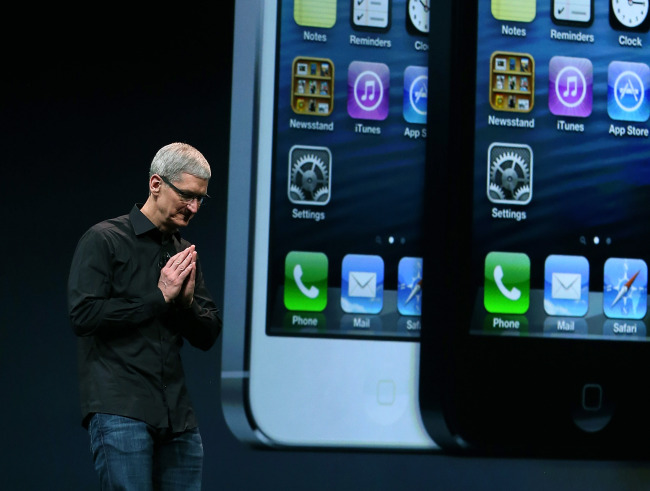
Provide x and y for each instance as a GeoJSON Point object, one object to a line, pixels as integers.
{"type": "Point", "coordinates": [201, 323]}
{"type": "Point", "coordinates": [90, 306]}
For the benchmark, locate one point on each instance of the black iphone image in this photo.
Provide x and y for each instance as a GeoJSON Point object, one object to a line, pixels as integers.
{"type": "Point", "coordinates": [540, 256]}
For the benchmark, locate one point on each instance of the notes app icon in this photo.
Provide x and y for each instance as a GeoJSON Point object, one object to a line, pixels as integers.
{"type": "Point", "coordinates": [570, 86]}
{"type": "Point", "coordinates": [368, 85]}
{"type": "Point", "coordinates": [516, 10]}
{"type": "Point", "coordinates": [315, 13]}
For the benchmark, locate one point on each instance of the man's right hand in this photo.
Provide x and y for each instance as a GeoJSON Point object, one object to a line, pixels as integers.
{"type": "Point", "coordinates": [174, 273]}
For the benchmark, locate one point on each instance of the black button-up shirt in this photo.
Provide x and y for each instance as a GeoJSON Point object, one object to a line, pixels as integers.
{"type": "Point", "coordinates": [129, 339]}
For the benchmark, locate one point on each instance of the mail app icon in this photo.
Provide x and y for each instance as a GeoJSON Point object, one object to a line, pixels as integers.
{"type": "Point", "coordinates": [566, 286]}
{"type": "Point", "coordinates": [362, 284]}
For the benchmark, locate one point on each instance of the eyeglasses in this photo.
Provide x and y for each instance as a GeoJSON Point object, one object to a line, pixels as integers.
{"type": "Point", "coordinates": [185, 196]}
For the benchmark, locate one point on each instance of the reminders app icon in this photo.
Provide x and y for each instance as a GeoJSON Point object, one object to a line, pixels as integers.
{"type": "Point", "coordinates": [362, 284]}
{"type": "Point", "coordinates": [566, 285]}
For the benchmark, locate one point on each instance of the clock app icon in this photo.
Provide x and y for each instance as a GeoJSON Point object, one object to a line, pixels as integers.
{"type": "Point", "coordinates": [417, 16]}
{"type": "Point", "coordinates": [629, 15]}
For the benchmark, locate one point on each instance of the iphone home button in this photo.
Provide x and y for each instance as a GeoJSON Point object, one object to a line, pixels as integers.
{"type": "Point", "coordinates": [386, 399]}
{"type": "Point", "coordinates": [594, 410]}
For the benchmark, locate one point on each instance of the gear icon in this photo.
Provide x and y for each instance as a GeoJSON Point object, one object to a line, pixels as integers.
{"type": "Point", "coordinates": [510, 174]}
{"type": "Point", "coordinates": [295, 193]}
{"type": "Point", "coordinates": [309, 179]}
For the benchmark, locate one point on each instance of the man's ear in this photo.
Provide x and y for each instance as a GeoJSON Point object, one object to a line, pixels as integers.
{"type": "Point", "coordinates": [155, 184]}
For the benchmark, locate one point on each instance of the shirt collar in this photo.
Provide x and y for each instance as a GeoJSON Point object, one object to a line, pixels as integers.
{"type": "Point", "coordinates": [142, 225]}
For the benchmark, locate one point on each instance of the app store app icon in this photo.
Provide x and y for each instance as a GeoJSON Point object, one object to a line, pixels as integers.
{"type": "Point", "coordinates": [416, 94]}
{"type": "Point", "coordinates": [628, 91]}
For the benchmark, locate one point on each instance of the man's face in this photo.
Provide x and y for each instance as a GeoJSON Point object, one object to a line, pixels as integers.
{"type": "Point", "coordinates": [178, 201]}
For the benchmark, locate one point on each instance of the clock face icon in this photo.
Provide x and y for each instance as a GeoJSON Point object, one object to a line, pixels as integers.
{"type": "Point", "coordinates": [417, 18]}
{"type": "Point", "coordinates": [629, 15]}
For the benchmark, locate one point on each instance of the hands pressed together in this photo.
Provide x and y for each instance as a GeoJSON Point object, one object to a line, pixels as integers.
{"type": "Point", "coordinates": [177, 277]}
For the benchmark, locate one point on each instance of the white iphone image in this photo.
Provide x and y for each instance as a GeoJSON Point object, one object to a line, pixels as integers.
{"type": "Point", "coordinates": [324, 291]}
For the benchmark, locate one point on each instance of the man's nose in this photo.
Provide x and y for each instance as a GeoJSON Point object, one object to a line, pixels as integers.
{"type": "Point", "coordinates": [193, 205]}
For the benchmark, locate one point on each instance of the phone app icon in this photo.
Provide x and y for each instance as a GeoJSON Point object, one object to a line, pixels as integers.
{"type": "Point", "coordinates": [305, 281]}
{"type": "Point", "coordinates": [368, 85]}
{"type": "Point", "coordinates": [310, 175]}
{"type": "Point", "coordinates": [362, 284]}
{"type": "Point", "coordinates": [572, 12]}
{"type": "Point", "coordinates": [570, 86]}
{"type": "Point", "coordinates": [370, 15]}
{"type": "Point", "coordinates": [629, 15]}
{"type": "Point", "coordinates": [512, 81]}
{"type": "Point", "coordinates": [409, 286]}
{"type": "Point", "coordinates": [416, 94]}
{"type": "Point", "coordinates": [625, 288]}
{"type": "Point", "coordinates": [566, 285]}
{"type": "Point", "coordinates": [510, 173]}
{"type": "Point", "coordinates": [315, 13]}
{"type": "Point", "coordinates": [515, 10]}
{"type": "Point", "coordinates": [627, 91]}
{"type": "Point", "coordinates": [507, 283]}
{"type": "Point", "coordinates": [312, 86]}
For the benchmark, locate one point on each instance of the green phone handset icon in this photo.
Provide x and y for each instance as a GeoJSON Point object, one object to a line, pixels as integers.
{"type": "Point", "coordinates": [512, 294]}
{"type": "Point", "coordinates": [312, 291]}
{"type": "Point", "coordinates": [507, 283]}
{"type": "Point", "coordinates": [305, 281]}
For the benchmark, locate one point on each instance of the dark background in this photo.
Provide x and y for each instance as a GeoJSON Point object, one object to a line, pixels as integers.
{"type": "Point", "coordinates": [87, 100]}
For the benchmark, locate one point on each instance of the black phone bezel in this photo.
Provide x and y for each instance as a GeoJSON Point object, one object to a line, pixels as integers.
{"type": "Point", "coordinates": [498, 394]}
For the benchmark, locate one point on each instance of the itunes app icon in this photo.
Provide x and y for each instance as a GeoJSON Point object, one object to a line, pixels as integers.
{"type": "Point", "coordinates": [570, 86]}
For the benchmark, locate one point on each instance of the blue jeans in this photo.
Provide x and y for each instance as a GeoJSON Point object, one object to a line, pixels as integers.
{"type": "Point", "coordinates": [131, 455]}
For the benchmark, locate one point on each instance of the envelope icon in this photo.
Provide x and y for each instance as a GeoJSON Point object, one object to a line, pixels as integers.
{"type": "Point", "coordinates": [566, 286]}
{"type": "Point", "coordinates": [362, 284]}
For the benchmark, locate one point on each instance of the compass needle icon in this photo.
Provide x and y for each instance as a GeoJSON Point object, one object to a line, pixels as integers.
{"type": "Point", "coordinates": [416, 289]}
{"type": "Point", "coordinates": [625, 288]}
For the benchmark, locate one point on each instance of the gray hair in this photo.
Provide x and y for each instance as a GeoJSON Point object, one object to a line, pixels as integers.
{"type": "Point", "coordinates": [174, 159]}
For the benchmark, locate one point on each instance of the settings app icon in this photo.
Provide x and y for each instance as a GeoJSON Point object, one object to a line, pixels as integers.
{"type": "Point", "coordinates": [510, 173]}
{"type": "Point", "coordinates": [310, 175]}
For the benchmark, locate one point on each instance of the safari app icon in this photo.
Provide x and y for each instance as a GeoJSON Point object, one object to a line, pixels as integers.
{"type": "Point", "coordinates": [625, 288]}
